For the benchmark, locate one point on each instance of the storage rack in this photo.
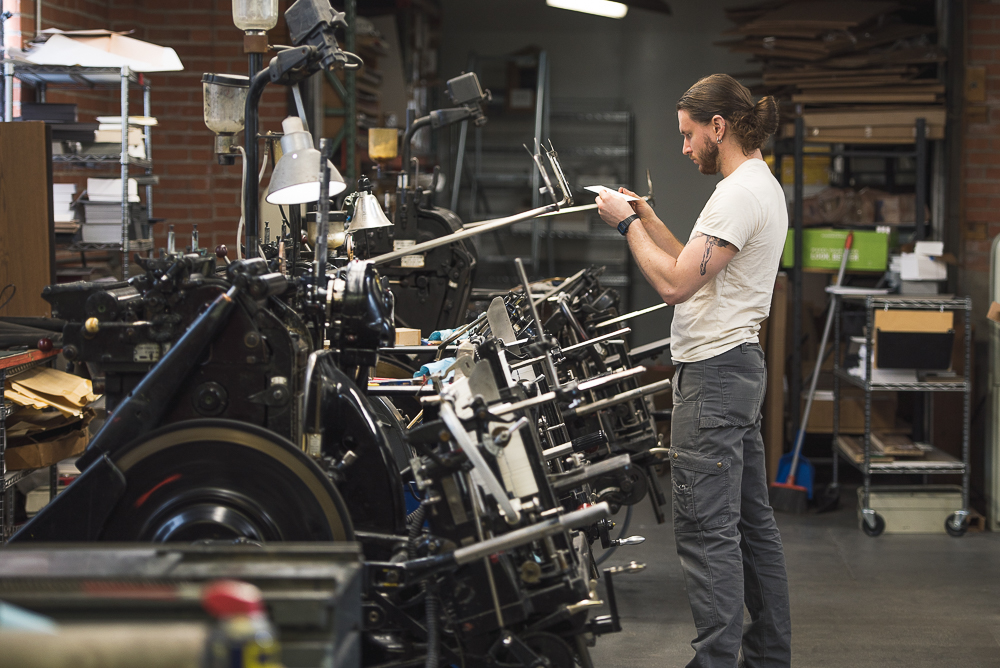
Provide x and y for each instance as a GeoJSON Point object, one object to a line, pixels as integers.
{"type": "Point", "coordinates": [939, 462]}
{"type": "Point", "coordinates": [90, 78]}
{"type": "Point", "coordinates": [796, 148]}
{"type": "Point", "coordinates": [11, 365]}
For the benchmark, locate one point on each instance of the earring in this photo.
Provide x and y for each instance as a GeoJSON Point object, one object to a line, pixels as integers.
{"type": "Point", "coordinates": [718, 140]}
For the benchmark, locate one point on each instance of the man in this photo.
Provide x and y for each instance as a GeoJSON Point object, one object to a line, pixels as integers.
{"type": "Point", "coordinates": [721, 283]}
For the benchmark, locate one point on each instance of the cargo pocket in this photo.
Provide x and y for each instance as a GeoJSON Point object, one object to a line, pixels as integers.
{"type": "Point", "coordinates": [700, 490]}
{"type": "Point", "coordinates": [738, 397]}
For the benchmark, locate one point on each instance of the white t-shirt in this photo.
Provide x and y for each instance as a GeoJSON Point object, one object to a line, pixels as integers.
{"type": "Point", "coordinates": [748, 210]}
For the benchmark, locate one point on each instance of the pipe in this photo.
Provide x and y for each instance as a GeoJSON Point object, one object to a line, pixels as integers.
{"type": "Point", "coordinates": [251, 192]}
{"type": "Point", "coordinates": [618, 399]}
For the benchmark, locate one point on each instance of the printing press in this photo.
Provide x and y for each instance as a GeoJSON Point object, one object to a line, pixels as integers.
{"type": "Point", "coordinates": [261, 400]}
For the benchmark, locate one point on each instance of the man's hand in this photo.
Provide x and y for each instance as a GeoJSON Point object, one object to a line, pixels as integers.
{"type": "Point", "coordinates": [614, 208]}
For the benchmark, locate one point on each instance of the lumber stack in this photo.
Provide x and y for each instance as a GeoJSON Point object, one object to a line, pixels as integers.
{"type": "Point", "coordinates": [864, 71]}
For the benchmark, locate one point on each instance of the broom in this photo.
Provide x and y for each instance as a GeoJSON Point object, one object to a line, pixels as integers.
{"type": "Point", "coordinates": [787, 496]}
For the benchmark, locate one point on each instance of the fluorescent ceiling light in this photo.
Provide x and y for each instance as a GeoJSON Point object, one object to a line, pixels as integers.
{"type": "Point", "coordinates": [612, 10]}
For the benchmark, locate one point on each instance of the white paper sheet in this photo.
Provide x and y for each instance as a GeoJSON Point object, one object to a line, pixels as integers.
{"type": "Point", "coordinates": [600, 189]}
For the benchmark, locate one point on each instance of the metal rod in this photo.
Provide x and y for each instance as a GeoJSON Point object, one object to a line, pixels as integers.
{"type": "Point", "coordinates": [463, 234]}
{"type": "Point", "coordinates": [322, 217]}
{"type": "Point", "coordinates": [619, 399]}
{"type": "Point", "coordinates": [463, 136]}
{"type": "Point", "coordinates": [251, 190]}
{"type": "Point", "coordinates": [633, 314]}
{"type": "Point", "coordinates": [350, 82]}
{"type": "Point", "coordinates": [576, 346]}
{"type": "Point", "coordinates": [476, 515]}
{"type": "Point", "coordinates": [518, 537]}
{"type": "Point", "coordinates": [550, 366]}
{"type": "Point", "coordinates": [125, 75]}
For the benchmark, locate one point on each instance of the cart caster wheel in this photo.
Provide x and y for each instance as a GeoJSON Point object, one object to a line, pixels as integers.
{"type": "Point", "coordinates": [949, 526]}
{"type": "Point", "coordinates": [877, 529]}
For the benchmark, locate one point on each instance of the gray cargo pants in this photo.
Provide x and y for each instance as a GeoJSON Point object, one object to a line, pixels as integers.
{"type": "Point", "coordinates": [727, 539]}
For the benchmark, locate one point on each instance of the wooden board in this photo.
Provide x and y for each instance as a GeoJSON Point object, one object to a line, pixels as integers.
{"type": "Point", "coordinates": [849, 97]}
{"type": "Point", "coordinates": [26, 227]}
{"type": "Point", "coordinates": [892, 134]}
{"type": "Point", "coordinates": [874, 118]}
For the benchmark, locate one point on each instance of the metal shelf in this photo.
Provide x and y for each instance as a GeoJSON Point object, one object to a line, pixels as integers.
{"type": "Point", "coordinates": [76, 77]}
{"type": "Point", "coordinates": [936, 461]}
{"type": "Point", "coordinates": [73, 76]}
{"type": "Point", "coordinates": [916, 386]}
{"type": "Point", "coordinates": [89, 246]}
{"type": "Point", "coordinates": [77, 158]}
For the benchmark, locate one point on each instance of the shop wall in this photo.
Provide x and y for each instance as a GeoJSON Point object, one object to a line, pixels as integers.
{"type": "Point", "coordinates": [646, 60]}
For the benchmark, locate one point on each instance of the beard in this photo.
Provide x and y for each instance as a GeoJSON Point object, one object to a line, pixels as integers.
{"type": "Point", "coordinates": [708, 159]}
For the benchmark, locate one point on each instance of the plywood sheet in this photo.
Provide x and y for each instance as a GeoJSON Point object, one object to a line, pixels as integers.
{"type": "Point", "coordinates": [26, 230]}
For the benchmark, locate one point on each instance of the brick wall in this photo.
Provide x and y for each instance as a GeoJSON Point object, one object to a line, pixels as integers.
{"type": "Point", "coordinates": [193, 188]}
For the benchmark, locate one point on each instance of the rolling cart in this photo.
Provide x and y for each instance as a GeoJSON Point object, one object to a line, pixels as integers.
{"type": "Point", "coordinates": [936, 461]}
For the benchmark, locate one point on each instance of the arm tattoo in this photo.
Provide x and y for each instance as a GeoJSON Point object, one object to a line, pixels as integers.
{"type": "Point", "coordinates": [709, 243]}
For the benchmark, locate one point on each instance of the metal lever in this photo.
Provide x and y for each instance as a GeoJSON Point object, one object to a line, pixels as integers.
{"type": "Point", "coordinates": [631, 540]}
{"type": "Point", "coordinates": [550, 366]}
{"type": "Point", "coordinates": [612, 623]}
{"type": "Point", "coordinates": [503, 438]}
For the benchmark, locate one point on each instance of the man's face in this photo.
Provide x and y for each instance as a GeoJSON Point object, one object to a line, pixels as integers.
{"type": "Point", "coordinates": [699, 143]}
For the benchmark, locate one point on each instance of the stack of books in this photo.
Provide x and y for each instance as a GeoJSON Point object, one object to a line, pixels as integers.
{"type": "Point", "coordinates": [63, 210]}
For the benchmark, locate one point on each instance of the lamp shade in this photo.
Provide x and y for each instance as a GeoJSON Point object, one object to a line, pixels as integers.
{"type": "Point", "coordinates": [368, 213]}
{"type": "Point", "coordinates": [295, 179]}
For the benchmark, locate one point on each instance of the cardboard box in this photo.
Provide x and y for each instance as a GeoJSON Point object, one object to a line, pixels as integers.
{"type": "Point", "coordinates": [406, 336]}
{"type": "Point", "coordinates": [852, 411]}
{"type": "Point", "coordinates": [822, 248]}
{"type": "Point", "coordinates": [913, 509]}
{"type": "Point", "coordinates": [927, 335]}
{"type": "Point", "coordinates": [32, 455]}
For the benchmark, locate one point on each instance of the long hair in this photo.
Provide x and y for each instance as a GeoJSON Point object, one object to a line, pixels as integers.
{"type": "Point", "coordinates": [720, 94]}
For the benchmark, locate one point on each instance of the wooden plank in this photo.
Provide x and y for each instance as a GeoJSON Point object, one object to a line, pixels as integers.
{"type": "Point", "coordinates": [903, 133]}
{"type": "Point", "coordinates": [773, 424]}
{"type": "Point", "coordinates": [26, 227]}
{"type": "Point", "coordinates": [844, 97]}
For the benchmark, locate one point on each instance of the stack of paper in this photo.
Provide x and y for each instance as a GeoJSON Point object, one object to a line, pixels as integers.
{"type": "Point", "coordinates": [110, 190]}
{"type": "Point", "coordinates": [108, 141]}
{"type": "Point", "coordinates": [63, 211]}
{"type": "Point", "coordinates": [924, 263]}
{"type": "Point", "coordinates": [51, 388]}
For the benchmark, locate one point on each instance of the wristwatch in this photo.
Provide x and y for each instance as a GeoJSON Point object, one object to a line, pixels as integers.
{"type": "Point", "coordinates": [623, 226]}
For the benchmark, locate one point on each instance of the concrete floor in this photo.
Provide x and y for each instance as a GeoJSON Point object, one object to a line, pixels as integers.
{"type": "Point", "coordinates": [897, 600]}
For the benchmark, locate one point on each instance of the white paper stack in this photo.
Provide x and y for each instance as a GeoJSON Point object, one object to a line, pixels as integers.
{"type": "Point", "coordinates": [924, 263]}
{"type": "Point", "coordinates": [108, 140]}
{"type": "Point", "coordinates": [110, 190]}
{"type": "Point", "coordinates": [63, 195]}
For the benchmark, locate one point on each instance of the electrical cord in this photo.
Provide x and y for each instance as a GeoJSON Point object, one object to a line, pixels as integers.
{"type": "Point", "coordinates": [243, 190]}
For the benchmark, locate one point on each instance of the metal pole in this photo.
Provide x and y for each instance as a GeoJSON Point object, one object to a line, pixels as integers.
{"type": "Point", "coordinates": [795, 384]}
{"type": "Point", "coordinates": [456, 180]}
{"type": "Point", "coordinates": [920, 186]}
{"type": "Point", "coordinates": [351, 120]}
{"type": "Point", "coordinates": [535, 176]}
{"type": "Point", "coordinates": [126, 75]}
{"type": "Point", "coordinates": [147, 109]}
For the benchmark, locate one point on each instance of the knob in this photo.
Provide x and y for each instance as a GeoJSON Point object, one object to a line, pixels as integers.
{"type": "Point", "coordinates": [631, 540]}
{"type": "Point", "coordinates": [221, 251]}
{"type": "Point", "coordinates": [45, 345]}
